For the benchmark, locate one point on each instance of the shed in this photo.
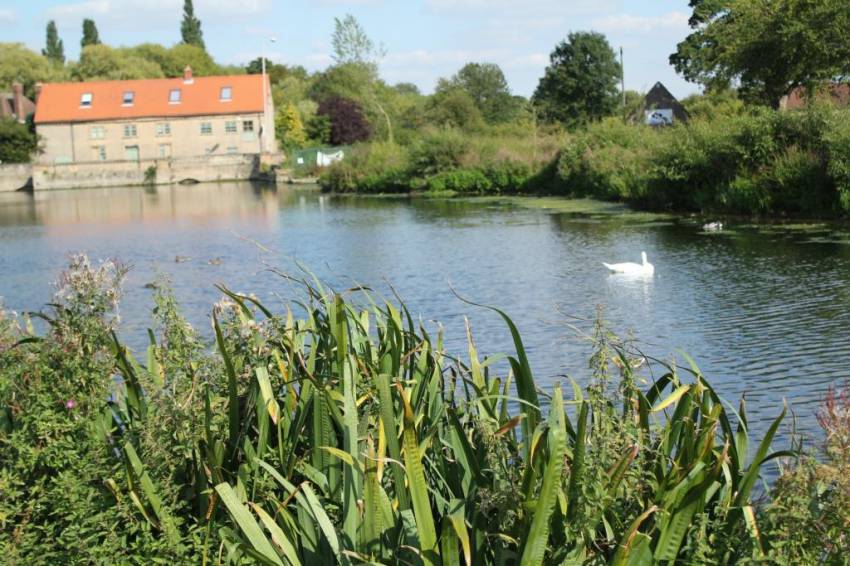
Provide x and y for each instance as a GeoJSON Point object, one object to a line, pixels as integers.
{"type": "Point", "coordinates": [660, 107]}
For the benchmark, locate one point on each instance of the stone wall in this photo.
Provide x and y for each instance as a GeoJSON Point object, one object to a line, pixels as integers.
{"type": "Point", "coordinates": [161, 172]}
{"type": "Point", "coordinates": [14, 176]}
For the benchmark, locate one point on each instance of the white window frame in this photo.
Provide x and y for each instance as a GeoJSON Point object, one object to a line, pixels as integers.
{"type": "Point", "coordinates": [225, 89]}
{"type": "Point", "coordinates": [86, 100]}
{"type": "Point", "coordinates": [164, 154]}
{"type": "Point", "coordinates": [163, 128]}
{"type": "Point", "coordinates": [231, 127]}
{"type": "Point", "coordinates": [206, 128]}
{"type": "Point", "coordinates": [175, 99]}
{"type": "Point", "coordinates": [97, 133]}
{"type": "Point", "coordinates": [128, 98]}
{"type": "Point", "coordinates": [130, 131]}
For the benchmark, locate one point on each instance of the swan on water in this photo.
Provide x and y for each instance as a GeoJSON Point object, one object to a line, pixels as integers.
{"type": "Point", "coordinates": [629, 268]}
{"type": "Point", "coordinates": [713, 226]}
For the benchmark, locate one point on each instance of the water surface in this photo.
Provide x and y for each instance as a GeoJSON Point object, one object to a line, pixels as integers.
{"type": "Point", "coordinates": [763, 309]}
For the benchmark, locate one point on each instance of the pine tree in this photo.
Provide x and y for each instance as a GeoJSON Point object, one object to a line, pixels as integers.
{"type": "Point", "coordinates": [190, 27]}
{"type": "Point", "coordinates": [288, 126]}
{"type": "Point", "coordinates": [53, 50]}
{"type": "Point", "coordinates": [90, 35]}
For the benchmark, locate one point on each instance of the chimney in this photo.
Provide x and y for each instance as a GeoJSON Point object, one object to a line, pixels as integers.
{"type": "Point", "coordinates": [38, 86]}
{"type": "Point", "coordinates": [18, 101]}
{"type": "Point", "coordinates": [187, 75]}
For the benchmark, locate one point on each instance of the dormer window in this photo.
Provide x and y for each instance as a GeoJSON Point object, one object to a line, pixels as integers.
{"type": "Point", "coordinates": [129, 97]}
{"type": "Point", "coordinates": [174, 96]}
{"type": "Point", "coordinates": [226, 94]}
{"type": "Point", "coordinates": [85, 100]}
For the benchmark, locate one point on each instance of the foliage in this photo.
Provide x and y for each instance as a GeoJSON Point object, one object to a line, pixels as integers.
{"type": "Point", "coordinates": [351, 44]}
{"type": "Point", "coordinates": [19, 64]}
{"type": "Point", "coordinates": [53, 49]}
{"type": "Point", "coordinates": [101, 62]}
{"type": "Point", "coordinates": [17, 143]}
{"type": "Point", "coordinates": [347, 122]}
{"type": "Point", "coordinates": [486, 85]}
{"type": "Point", "coordinates": [90, 34]}
{"type": "Point", "coordinates": [767, 47]}
{"type": "Point", "coordinates": [288, 127]}
{"type": "Point", "coordinates": [454, 107]}
{"type": "Point", "coordinates": [190, 26]}
{"type": "Point", "coordinates": [470, 181]}
{"type": "Point", "coordinates": [580, 83]}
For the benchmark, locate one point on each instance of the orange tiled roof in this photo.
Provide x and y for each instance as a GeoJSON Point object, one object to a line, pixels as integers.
{"type": "Point", "coordinates": [60, 102]}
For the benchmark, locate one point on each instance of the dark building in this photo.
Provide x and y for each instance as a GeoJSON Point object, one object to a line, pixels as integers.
{"type": "Point", "coordinates": [660, 108]}
{"type": "Point", "coordinates": [15, 105]}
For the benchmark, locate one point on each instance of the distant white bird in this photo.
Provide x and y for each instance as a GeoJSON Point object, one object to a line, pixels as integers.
{"type": "Point", "coordinates": [629, 268]}
{"type": "Point", "coordinates": [713, 227]}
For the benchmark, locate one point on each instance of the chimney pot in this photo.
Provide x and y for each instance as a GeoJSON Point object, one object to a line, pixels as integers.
{"type": "Point", "coordinates": [18, 101]}
{"type": "Point", "coordinates": [187, 75]}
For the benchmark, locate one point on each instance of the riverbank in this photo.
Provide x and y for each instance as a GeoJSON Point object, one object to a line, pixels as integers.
{"type": "Point", "coordinates": [758, 162]}
{"type": "Point", "coordinates": [300, 435]}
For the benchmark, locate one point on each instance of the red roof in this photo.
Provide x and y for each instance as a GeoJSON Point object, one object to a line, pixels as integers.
{"type": "Point", "coordinates": [62, 102]}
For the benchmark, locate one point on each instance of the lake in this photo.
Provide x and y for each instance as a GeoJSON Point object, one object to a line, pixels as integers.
{"type": "Point", "coordinates": [763, 309]}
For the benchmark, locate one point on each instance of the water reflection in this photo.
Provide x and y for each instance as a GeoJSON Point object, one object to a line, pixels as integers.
{"type": "Point", "coordinates": [764, 311]}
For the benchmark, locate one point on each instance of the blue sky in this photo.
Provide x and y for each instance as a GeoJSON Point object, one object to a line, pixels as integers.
{"type": "Point", "coordinates": [424, 39]}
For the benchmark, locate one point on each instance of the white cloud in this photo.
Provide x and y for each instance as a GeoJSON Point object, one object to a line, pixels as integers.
{"type": "Point", "coordinates": [7, 16]}
{"type": "Point", "coordinates": [628, 23]}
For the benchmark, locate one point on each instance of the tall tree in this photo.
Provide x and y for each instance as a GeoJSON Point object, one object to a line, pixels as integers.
{"type": "Point", "coordinates": [580, 83]}
{"type": "Point", "coordinates": [351, 44]}
{"type": "Point", "coordinates": [348, 124]}
{"type": "Point", "coordinates": [90, 35]}
{"type": "Point", "coordinates": [53, 49]}
{"type": "Point", "coordinates": [767, 47]}
{"type": "Point", "coordinates": [190, 27]}
{"type": "Point", "coordinates": [486, 84]}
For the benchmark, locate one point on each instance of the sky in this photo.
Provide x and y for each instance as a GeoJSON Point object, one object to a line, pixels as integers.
{"type": "Point", "coordinates": [424, 39]}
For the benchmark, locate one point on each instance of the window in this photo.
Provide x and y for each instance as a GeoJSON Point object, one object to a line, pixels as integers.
{"type": "Point", "coordinates": [232, 149]}
{"type": "Point", "coordinates": [165, 150]}
{"type": "Point", "coordinates": [131, 152]}
{"type": "Point", "coordinates": [206, 128]}
{"type": "Point", "coordinates": [85, 100]}
{"type": "Point", "coordinates": [174, 96]}
{"type": "Point", "coordinates": [230, 127]}
{"type": "Point", "coordinates": [248, 126]}
{"type": "Point", "coordinates": [129, 97]}
{"type": "Point", "coordinates": [99, 152]}
{"type": "Point", "coordinates": [130, 130]}
{"type": "Point", "coordinates": [163, 129]}
{"type": "Point", "coordinates": [226, 94]}
{"type": "Point", "coordinates": [98, 132]}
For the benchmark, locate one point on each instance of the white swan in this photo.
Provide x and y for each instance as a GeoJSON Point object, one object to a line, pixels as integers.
{"type": "Point", "coordinates": [713, 227]}
{"type": "Point", "coordinates": [629, 268]}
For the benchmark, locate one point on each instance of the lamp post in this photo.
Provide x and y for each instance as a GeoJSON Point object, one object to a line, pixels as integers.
{"type": "Point", "coordinates": [263, 135]}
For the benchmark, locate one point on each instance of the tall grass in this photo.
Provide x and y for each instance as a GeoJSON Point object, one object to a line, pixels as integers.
{"type": "Point", "coordinates": [340, 431]}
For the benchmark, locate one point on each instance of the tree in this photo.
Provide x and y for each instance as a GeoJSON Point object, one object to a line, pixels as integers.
{"type": "Point", "coordinates": [90, 35]}
{"type": "Point", "coordinates": [767, 47]}
{"type": "Point", "coordinates": [190, 27]}
{"type": "Point", "coordinates": [19, 64]}
{"type": "Point", "coordinates": [348, 124]}
{"type": "Point", "coordinates": [487, 86]}
{"type": "Point", "coordinates": [101, 62]}
{"type": "Point", "coordinates": [453, 107]}
{"type": "Point", "coordinates": [581, 82]}
{"type": "Point", "coordinates": [17, 142]}
{"type": "Point", "coordinates": [53, 49]}
{"type": "Point", "coordinates": [288, 126]}
{"type": "Point", "coordinates": [352, 45]}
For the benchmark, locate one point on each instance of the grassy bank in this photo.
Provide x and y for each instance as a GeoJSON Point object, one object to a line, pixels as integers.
{"type": "Point", "coordinates": [338, 430]}
{"type": "Point", "coordinates": [754, 162]}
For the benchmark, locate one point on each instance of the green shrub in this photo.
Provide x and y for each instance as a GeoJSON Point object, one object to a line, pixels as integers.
{"type": "Point", "coordinates": [17, 143]}
{"type": "Point", "coordinates": [438, 151]}
{"type": "Point", "coordinates": [467, 181]}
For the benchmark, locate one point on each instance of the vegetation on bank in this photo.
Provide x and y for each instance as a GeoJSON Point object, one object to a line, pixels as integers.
{"type": "Point", "coordinates": [340, 431]}
{"type": "Point", "coordinates": [727, 159]}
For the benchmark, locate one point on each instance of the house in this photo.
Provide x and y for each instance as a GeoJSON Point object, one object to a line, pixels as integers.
{"type": "Point", "coordinates": [837, 93]}
{"type": "Point", "coordinates": [660, 107]}
{"type": "Point", "coordinates": [15, 105]}
{"type": "Point", "coordinates": [155, 119]}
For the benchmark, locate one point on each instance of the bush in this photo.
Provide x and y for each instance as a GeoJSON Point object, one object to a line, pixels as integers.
{"type": "Point", "coordinates": [17, 143]}
{"type": "Point", "coordinates": [470, 181]}
{"type": "Point", "coordinates": [380, 167]}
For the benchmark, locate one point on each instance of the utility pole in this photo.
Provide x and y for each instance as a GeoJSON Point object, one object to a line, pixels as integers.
{"type": "Point", "coordinates": [623, 83]}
